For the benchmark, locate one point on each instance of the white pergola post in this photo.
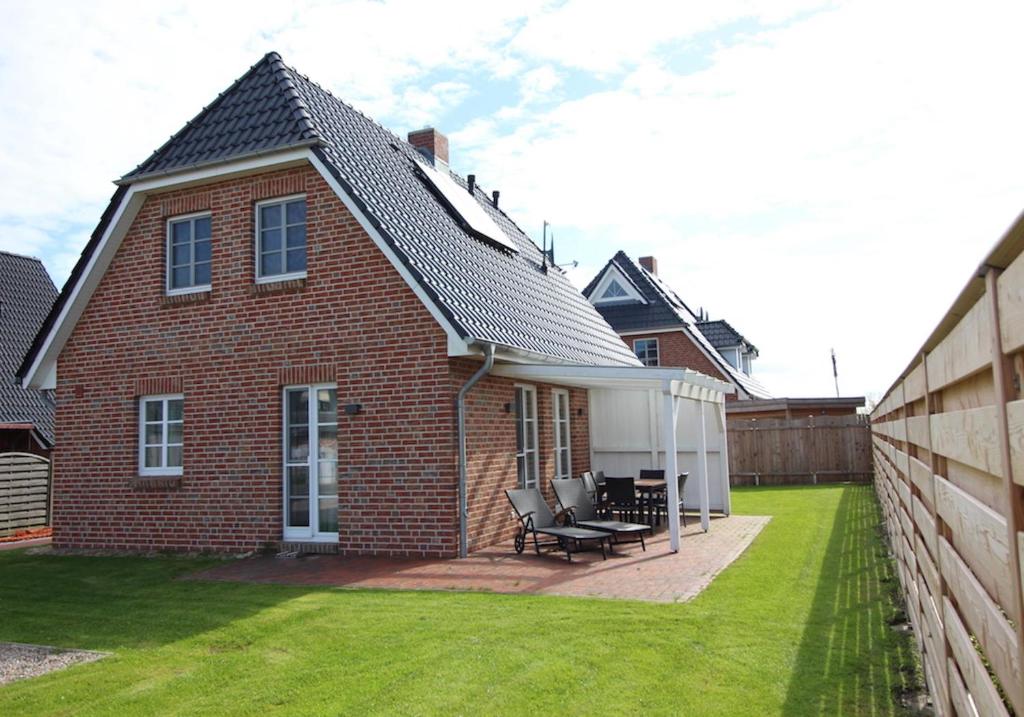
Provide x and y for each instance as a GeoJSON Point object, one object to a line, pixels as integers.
{"type": "Point", "coordinates": [726, 498]}
{"type": "Point", "coordinates": [668, 421]}
{"type": "Point", "coordinates": [702, 471]}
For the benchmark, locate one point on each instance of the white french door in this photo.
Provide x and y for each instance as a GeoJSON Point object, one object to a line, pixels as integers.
{"type": "Point", "coordinates": [311, 462]}
{"type": "Point", "coordinates": [563, 451]}
{"type": "Point", "coordinates": [527, 456]}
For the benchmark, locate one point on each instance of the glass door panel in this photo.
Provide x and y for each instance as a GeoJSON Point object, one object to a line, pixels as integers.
{"type": "Point", "coordinates": [311, 462]}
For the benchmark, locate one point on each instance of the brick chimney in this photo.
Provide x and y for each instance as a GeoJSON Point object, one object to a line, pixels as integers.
{"type": "Point", "coordinates": [432, 144]}
{"type": "Point", "coordinates": [650, 264]}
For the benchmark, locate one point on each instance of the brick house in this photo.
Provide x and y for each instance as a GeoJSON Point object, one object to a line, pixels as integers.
{"type": "Point", "coordinates": [293, 327]}
{"type": "Point", "coordinates": [662, 330]}
{"type": "Point", "coordinates": [26, 295]}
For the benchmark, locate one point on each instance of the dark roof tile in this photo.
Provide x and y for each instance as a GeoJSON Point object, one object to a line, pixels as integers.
{"type": "Point", "coordinates": [26, 295]}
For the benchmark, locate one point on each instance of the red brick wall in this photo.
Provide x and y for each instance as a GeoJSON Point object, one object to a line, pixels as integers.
{"type": "Point", "coordinates": [353, 320]}
{"type": "Point", "coordinates": [491, 449]}
{"type": "Point", "coordinates": [676, 349]}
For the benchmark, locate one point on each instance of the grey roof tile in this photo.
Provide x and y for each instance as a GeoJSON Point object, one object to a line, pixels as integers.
{"type": "Point", "coordinates": [721, 334]}
{"type": "Point", "coordinates": [26, 295]}
{"type": "Point", "coordinates": [487, 294]}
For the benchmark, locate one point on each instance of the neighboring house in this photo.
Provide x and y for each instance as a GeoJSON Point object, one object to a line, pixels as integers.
{"type": "Point", "coordinates": [273, 335]}
{"type": "Point", "coordinates": [26, 295]}
{"type": "Point", "coordinates": [663, 331]}
{"type": "Point", "coordinates": [789, 408]}
{"type": "Point", "coordinates": [729, 342]}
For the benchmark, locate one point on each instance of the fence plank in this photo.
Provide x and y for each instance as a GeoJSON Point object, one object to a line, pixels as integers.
{"type": "Point", "coordinates": [986, 621]}
{"type": "Point", "coordinates": [979, 536]}
{"type": "Point", "coordinates": [24, 491]}
{"type": "Point", "coordinates": [980, 686]}
{"type": "Point", "coordinates": [965, 350]}
{"type": "Point", "coordinates": [969, 436]}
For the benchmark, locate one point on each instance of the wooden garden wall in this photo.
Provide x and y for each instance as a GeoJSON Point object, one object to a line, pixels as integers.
{"type": "Point", "coordinates": [948, 444]}
{"type": "Point", "coordinates": [24, 492]}
{"type": "Point", "coordinates": [816, 449]}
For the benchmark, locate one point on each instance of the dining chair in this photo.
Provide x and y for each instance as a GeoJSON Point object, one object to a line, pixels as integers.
{"type": "Point", "coordinates": [621, 492]}
{"type": "Point", "coordinates": [662, 504]}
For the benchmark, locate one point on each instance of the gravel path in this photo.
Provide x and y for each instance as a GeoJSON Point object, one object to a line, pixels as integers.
{"type": "Point", "coordinates": [19, 661]}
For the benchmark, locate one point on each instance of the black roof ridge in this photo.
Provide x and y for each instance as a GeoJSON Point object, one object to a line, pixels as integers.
{"type": "Point", "coordinates": [21, 256]}
{"type": "Point", "coordinates": [271, 57]}
{"type": "Point", "coordinates": [299, 109]}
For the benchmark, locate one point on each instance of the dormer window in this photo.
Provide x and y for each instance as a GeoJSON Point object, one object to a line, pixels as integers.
{"type": "Point", "coordinates": [281, 239]}
{"type": "Point", "coordinates": [615, 288]}
{"type": "Point", "coordinates": [188, 254]}
{"type": "Point", "coordinates": [614, 291]}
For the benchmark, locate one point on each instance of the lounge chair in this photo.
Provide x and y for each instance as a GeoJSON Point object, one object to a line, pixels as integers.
{"type": "Point", "coordinates": [573, 498]}
{"type": "Point", "coordinates": [536, 518]}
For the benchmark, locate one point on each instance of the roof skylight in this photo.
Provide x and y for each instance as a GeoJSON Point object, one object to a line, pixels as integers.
{"type": "Point", "coordinates": [465, 208]}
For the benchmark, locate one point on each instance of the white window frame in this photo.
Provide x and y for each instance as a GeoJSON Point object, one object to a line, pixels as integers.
{"type": "Point", "coordinates": [309, 533]}
{"type": "Point", "coordinates": [556, 418]}
{"type": "Point", "coordinates": [615, 274]}
{"type": "Point", "coordinates": [199, 288]}
{"type": "Point", "coordinates": [257, 249]}
{"type": "Point", "coordinates": [657, 347]}
{"type": "Point", "coordinates": [163, 469]}
{"type": "Point", "coordinates": [529, 393]}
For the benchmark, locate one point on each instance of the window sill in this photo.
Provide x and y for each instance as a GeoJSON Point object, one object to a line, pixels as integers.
{"type": "Point", "coordinates": [281, 286]}
{"type": "Point", "coordinates": [189, 297]}
{"type": "Point", "coordinates": [156, 482]}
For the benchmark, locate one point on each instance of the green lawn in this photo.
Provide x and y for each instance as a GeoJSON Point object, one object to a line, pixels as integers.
{"type": "Point", "coordinates": [796, 626]}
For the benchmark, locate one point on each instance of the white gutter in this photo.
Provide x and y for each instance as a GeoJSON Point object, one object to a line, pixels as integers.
{"type": "Point", "coordinates": [460, 409]}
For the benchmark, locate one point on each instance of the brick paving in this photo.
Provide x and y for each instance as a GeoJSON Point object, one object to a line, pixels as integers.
{"type": "Point", "coordinates": [657, 575]}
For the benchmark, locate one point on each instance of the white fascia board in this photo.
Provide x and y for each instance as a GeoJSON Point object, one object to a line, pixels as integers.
{"type": "Point", "coordinates": [224, 171]}
{"type": "Point", "coordinates": [42, 374]}
{"type": "Point", "coordinates": [644, 332]}
{"type": "Point", "coordinates": [457, 345]}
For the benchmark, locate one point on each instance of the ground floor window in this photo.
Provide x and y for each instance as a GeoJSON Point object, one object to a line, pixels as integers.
{"type": "Point", "coordinates": [161, 435]}
{"type": "Point", "coordinates": [311, 462]}
{"type": "Point", "coordinates": [527, 458]}
{"type": "Point", "coordinates": [563, 452]}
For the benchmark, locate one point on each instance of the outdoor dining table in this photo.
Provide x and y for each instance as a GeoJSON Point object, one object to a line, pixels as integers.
{"type": "Point", "coordinates": [648, 488]}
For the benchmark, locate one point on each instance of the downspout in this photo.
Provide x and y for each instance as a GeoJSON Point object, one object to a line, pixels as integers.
{"type": "Point", "coordinates": [460, 409]}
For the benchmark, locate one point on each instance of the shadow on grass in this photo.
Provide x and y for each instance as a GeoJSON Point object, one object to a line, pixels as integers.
{"type": "Point", "coordinates": [112, 603]}
{"type": "Point", "coordinates": [848, 649]}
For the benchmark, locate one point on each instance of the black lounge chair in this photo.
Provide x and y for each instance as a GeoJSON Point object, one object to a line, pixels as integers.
{"type": "Point", "coordinates": [572, 496]}
{"type": "Point", "coordinates": [536, 518]}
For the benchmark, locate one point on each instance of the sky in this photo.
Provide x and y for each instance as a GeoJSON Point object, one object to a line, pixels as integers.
{"type": "Point", "coordinates": [820, 174]}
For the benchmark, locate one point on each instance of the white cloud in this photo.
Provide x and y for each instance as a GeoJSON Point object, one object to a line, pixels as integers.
{"type": "Point", "coordinates": [820, 174]}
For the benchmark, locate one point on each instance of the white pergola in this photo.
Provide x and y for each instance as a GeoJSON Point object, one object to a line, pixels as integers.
{"type": "Point", "coordinates": [624, 398]}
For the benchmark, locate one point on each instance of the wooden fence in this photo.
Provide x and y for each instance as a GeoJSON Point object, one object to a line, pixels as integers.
{"type": "Point", "coordinates": [24, 492]}
{"type": "Point", "coordinates": [817, 449]}
{"type": "Point", "coordinates": [948, 444]}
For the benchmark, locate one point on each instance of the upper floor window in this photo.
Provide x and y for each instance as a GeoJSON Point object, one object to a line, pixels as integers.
{"type": "Point", "coordinates": [647, 351]}
{"type": "Point", "coordinates": [161, 423]}
{"type": "Point", "coordinates": [188, 254]}
{"type": "Point", "coordinates": [281, 239]}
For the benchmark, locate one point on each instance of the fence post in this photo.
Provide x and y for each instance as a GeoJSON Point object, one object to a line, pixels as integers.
{"type": "Point", "coordinates": [1013, 494]}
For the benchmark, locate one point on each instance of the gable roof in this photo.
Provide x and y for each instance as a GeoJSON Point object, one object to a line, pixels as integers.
{"type": "Point", "coordinates": [722, 335]}
{"type": "Point", "coordinates": [484, 293]}
{"type": "Point", "coordinates": [26, 295]}
{"type": "Point", "coordinates": [665, 310]}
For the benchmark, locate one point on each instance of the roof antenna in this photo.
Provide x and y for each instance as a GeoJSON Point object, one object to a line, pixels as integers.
{"type": "Point", "coordinates": [544, 251]}
{"type": "Point", "coordinates": [835, 372]}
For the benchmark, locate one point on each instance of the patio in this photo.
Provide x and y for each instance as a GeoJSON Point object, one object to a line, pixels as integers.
{"type": "Point", "coordinates": [658, 575]}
